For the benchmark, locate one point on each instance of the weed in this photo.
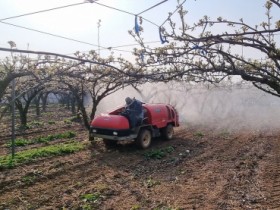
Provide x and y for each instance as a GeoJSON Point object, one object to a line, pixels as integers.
{"type": "Point", "coordinates": [75, 118]}
{"type": "Point", "coordinates": [10, 163]}
{"type": "Point", "coordinates": [158, 153]}
{"type": "Point", "coordinates": [67, 121]}
{"type": "Point", "coordinates": [101, 188]}
{"type": "Point", "coordinates": [72, 119]}
{"type": "Point", "coordinates": [86, 207]}
{"type": "Point", "coordinates": [91, 197]}
{"type": "Point", "coordinates": [32, 154]}
{"type": "Point", "coordinates": [166, 208]}
{"type": "Point", "coordinates": [79, 184]}
{"type": "Point", "coordinates": [198, 134]}
{"type": "Point", "coordinates": [51, 122]}
{"type": "Point", "coordinates": [43, 139]}
{"type": "Point", "coordinates": [225, 134]}
{"type": "Point", "coordinates": [28, 179]}
{"type": "Point", "coordinates": [135, 207]}
{"type": "Point", "coordinates": [151, 183]}
{"type": "Point", "coordinates": [21, 142]}
{"type": "Point", "coordinates": [35, 123]}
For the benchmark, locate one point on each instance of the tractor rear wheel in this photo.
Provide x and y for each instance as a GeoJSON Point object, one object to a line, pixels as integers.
{"type": "Point", "coordinates": [144, 139]}
{"type": "Point", "coordinates": [168, 132]}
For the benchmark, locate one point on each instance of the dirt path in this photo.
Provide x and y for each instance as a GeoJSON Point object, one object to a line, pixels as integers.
{"type": "Point", "coordinates": [213, 171]}
{"type": "Point", "coordinates": [271, 175]}
{"type": "Point", "coordinates": [199, 169]}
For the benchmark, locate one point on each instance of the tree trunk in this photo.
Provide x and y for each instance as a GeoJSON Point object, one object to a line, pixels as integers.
{"type": "Point", "coordinates": [95, 103]}
{"type": "Point", "coordinates": [73, 104]}
{"type": "Point", "coordinates": [84, 114]}
{"type": "Point", "coordinates": [68, 101]}
{"type": "Point", "coordinates": [24, 109]}
{"type": "Point", "coordinates": [44, 101]}
{"type": "Point", "coordinates": [22, 113]}
{"type": "Point", "coordinates": [23, 119]}
{"type": "Point", "coordinates": [4, 83]}
{"type": "Point", "coordinates": [37, 104]}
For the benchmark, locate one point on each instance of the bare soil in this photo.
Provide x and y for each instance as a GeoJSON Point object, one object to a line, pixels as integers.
{"type": "Point", "coordinates": [198, 169]}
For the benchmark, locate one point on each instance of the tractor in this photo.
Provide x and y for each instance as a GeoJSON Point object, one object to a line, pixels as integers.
{"type": "Point", "coordinates": [158, 121]}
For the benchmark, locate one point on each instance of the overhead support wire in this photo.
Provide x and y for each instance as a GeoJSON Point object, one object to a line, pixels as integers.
{"type": "Point", "coordinates": [63, 56]}
{"type": "Point", "coordinates": [58, 36]}
{"type": "Point", "coordinates": [113, 8]}
{"type": "Point", "coordinates": [120, 46]}
{"type": "Point", "coordinates": [136, 25]}
{"type": "Point", "coordinates": [71, 5]}
{"type": "Point", "coordinates": [163, 39]}
{"type": "Point", "coordinates": [173, 13]}
{"type": "Point", "coordinates": [129, 45]}
{"type": "Point", "coordinates": [50, 34]}
{"type": "Point", "coordinates": [126, 12]}
{"type": "Point", "coordinates": [137, 28]}
{"type": "Point", "coordinates": [45, 10]}
{"type": "Point", "coordinates": [152, 7]}
{"type": "Point", "coordinates": [53, 54]}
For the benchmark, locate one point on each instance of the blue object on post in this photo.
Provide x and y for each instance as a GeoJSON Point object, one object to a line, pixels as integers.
{"type": "Point", "coordinates": [137, 27]}
{"type": "Point", "coordinates": [162, 39]}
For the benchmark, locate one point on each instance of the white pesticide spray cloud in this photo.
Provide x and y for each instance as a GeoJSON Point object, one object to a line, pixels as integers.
{"type": "Point", "coordinates": [219, 107]}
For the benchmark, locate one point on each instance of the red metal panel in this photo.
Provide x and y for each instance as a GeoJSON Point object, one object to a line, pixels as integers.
{"type": "Point", "coordinates": [157, 114]}
{"type": "Point", "coordinates": [117, 122]}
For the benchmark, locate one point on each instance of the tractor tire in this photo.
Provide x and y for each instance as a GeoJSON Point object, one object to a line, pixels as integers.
{"type": "Point", "coordinates": [144, 139]}
{"type": "Point", "coordinates": [109, 144]}
{"type": "Point", "coordinates": [168, 132]}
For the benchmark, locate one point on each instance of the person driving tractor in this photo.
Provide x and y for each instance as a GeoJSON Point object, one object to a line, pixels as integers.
{"type": "Point", "coordinates": [134, 111]}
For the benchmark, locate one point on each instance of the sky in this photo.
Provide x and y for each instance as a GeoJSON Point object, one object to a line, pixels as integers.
{"type": "Point", "coordinates": [81, 22]}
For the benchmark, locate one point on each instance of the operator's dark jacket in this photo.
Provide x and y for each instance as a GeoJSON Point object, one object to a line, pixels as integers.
{"type": "Point", "coordinates": [135, 112]}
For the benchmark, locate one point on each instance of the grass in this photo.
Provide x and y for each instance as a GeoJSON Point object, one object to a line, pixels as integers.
{"type": "Point", "coordinates": [151, 182]}
{"type": "Point", "coordinates": [67, 121]}
{"type": "Point", "coordinates": [158, 153]}
{"type": "Point", "coordinates": [198, 134]}
{"type": "Point", "coordinates": [91, 200]}
{"type": "Point", "coordinates": [51, 122]}
{"type": "Point", "coordinates": [28, 179]}
{"type": "Point", "coordinates": [32, 124]}
{"type": "Point", "coordinates": [32, 154]}
{"type": "Point", "coordinates": [71, 119]}
{"type": "Point", "coordinates": [43, 139]}
{"type": "Point", "coordinates": [135, 207]}
{"type": "Point", "coordinates": [91, 197]}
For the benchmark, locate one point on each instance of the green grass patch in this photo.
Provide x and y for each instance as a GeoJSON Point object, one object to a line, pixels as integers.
{"type": "Point", "coordinates": [35, 123]}
{"type": "Point", "coordinates": [51, 122]}
{"type": "Point", "coordinates": [20, 142]}
{"type": "Point", "coordinates": [67, 121]}
{"type": "Point", "coordinates": [135, 207]}
{"type": "Point", "coordinates": [91, 197]}
{"type": "Point", "coordinates": [198, 134]}
{"type": "Point", "coordinates": [151, 182]}
{"type": "Point", "coordinates": [91, 201]}
{"type": "Point", "coordinates": [43, 139]}
{"type": "Point", "coordinates": [72, 119]}
{"type": "Point", "coordinates": [28, 179]}
{"type": "Point", "coordinates": [158, 153]}
{"type": "Point", "coordinates": [32, 154]}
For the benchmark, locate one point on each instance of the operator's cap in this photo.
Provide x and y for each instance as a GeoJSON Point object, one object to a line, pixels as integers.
{"type": "Point", "coordinates": [128, 101]}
